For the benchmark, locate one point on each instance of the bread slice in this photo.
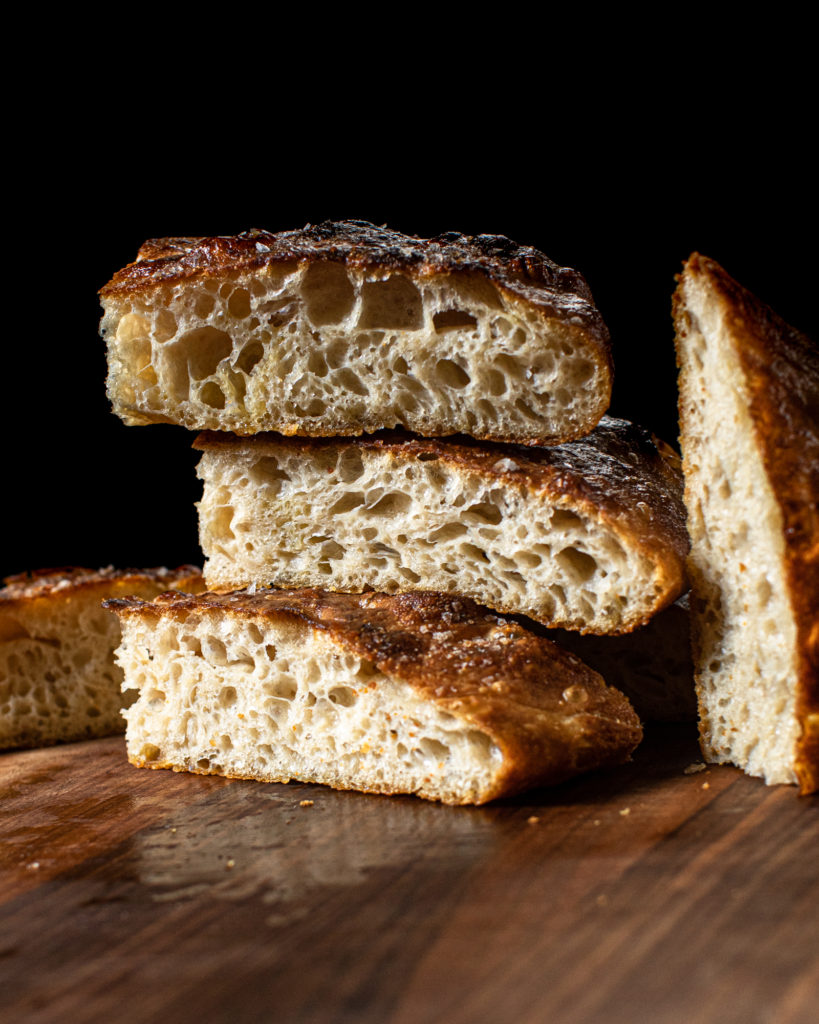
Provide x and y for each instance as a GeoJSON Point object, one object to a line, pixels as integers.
{"type": "Point", "coordinates": [345, 327]}
{"type": "Point", "coordinates": [589, 535]}
{"type": "Point", "coordinates": [417, 693]}
{"type": "Point", "coordinates": [749, 417]}
{"type": "Point", "coordinates": [58, 679]}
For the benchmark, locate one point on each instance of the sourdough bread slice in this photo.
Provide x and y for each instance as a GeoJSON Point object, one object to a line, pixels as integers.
{"type": "Point", "coordinates": [417, 693]}
{"type": "Point", "coordinates": [749, 419]}
{"type": "Point", "coordinates": [345, 327]}
{"type": "Point", "coordinates": [58, 679]}
{"type": "Point", "coordinates": [588, 535]}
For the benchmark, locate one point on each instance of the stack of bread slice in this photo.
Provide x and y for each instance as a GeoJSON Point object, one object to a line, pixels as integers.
{"type": "Point", "coordinates": [397, 431]}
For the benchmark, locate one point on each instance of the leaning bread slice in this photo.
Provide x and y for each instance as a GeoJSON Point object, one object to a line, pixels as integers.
{"type": "Point", "coordinates": [588, 535]}
{"type": "Point", "coordinates": [58, 679]}
{"type": "Point", "coordinates": [749, 417]}
{"type": "Point", "coordinates": [417, 693]}
{"type": "Point", "coordinates": [344, 328]}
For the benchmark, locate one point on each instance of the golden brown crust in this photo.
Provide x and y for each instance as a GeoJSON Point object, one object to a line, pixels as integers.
{"type": "Point", "coordinates": [616, 474]}
{"type": "Point", "coordinates": [549, 713]}
{"type": "Point", "coordinates": [523, 270]}
{"type": "Point", "coordinates": [781, 370]}
{"type": "Point", "coordinates": [36, 584]}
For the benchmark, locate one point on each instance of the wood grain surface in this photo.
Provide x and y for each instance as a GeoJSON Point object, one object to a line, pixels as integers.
{"type": "Point", "coordinates": [645, 894]}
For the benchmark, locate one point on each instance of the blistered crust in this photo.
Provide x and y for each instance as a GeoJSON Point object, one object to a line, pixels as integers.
{"type": "Point", "coordinates": [550, 714]}
{"type": "Point", "coordinates": [781, 370]}
{"type": "Point", "coordinates": [520, 270]}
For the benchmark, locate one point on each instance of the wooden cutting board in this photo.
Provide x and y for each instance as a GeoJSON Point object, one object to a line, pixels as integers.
{"type": "Point", "coordinates": [653, 893]}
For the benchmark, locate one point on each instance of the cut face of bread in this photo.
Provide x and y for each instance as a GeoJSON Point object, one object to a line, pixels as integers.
{"type": "Point", "coordinates": [346, 328]}
{"type": "Point", "coordinates": [589, 535]}
{"type": "Point", "coordinates": [58, 679]}
{"type": "Point", "coordinates": [749, 413]}
{"type": "Point", "coordinates": [418, 693]}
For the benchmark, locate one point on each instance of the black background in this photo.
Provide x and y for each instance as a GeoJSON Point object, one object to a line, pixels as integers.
{"type": "Point", "coordinates": [622, 181]}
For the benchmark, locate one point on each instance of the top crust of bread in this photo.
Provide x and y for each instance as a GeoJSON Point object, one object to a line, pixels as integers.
{"type": "Point", "coordinates": [344, 327]}
{"type": "Point", "coordinates": [27, 587]}
{"type": "Point", "coordinates": [517, 269]}
{"type": "Point", "coordinates": [549, 713]}
{"type": "Point", "coordinates": [780, 366]}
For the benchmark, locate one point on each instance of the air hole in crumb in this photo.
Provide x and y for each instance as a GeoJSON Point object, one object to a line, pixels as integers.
{"type": "Point", "coordinates": [227, 696]}
{"type": "Point", "coordinates": [284, 688]}
{"type": "Point", "coordinates": [433, 748]}
{"type": "Point", "coordinates": [472, 551]}
{"type": "Point", "coordinates": [453, 320]}
{"type": "Point", "coordinates": [509, 366]}
{"type": "Point", "coordinates": [347, 379]}
{"type": "Point", "coordinates": [579, 565]}
{"type": "Point", "coordinates": [202, 349]}
{"type": "Point", "coordinates": [211, 394]}
{"type": "Point", "coordinates": [328, 293]}
{"type": "Point", "coordinates": [239, 303]}
{"type": "Point", "coordinates": [249, 356]}
{"type": "Point", "coordinates": [349, 467]}
{"type": "Point", "coordinates": [346, 503]}
{"type": "Point", "coordinates": [343, 695]}
{"type": "Point", "coordinates": [483, 512]}
{"type": "Point", "coordinates": [389, 505]}
{"type": "Point", "coordinates": [450, 374]}
{"type": "Point", "coordinates": [266, 471]}
{"type": "Point", "coordinates": [563, 518]}
{"type": "Point", "coordinates": [495, 382]}
{"type": "Point", "coordinates": [392, 303]}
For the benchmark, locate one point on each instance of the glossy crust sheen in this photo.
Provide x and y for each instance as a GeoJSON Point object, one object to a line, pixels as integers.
{"type": "Point", "coordinates": [38, 584]}
{"type": "Point", "coordinates": [618, 474]}
{"type": "Point", "coordinates": [551, 715]}
{"type": "Point", "coordinates": [781, 369]}
{"type": "Point", "coordinates": [519, 270]}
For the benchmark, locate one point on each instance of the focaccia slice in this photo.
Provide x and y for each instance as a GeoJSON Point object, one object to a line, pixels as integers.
{"type": "Point", "coordinates": [588, 535]}
{"type": "Point", "coordinates": [416, 693]}
{"type": "Point", "coordinates": [344, 327]}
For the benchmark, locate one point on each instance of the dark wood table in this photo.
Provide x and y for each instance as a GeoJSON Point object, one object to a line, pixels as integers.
{"type": "Point", "coordinates": [652, 893]}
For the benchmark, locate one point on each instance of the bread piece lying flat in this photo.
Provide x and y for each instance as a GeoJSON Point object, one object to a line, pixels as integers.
{"type": "Point", "coordinates": [418, 693]}
{"type": "Point", "coordinates": [749, 416]}
{"type": "Point", "coordinates": [588, 535]}
{"type": "Point", "coordinates": [651, 665]}
{"type": "Point", "coordinates": [58, 679]}
{"type": "Point", "coordinates": [345, 327]}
